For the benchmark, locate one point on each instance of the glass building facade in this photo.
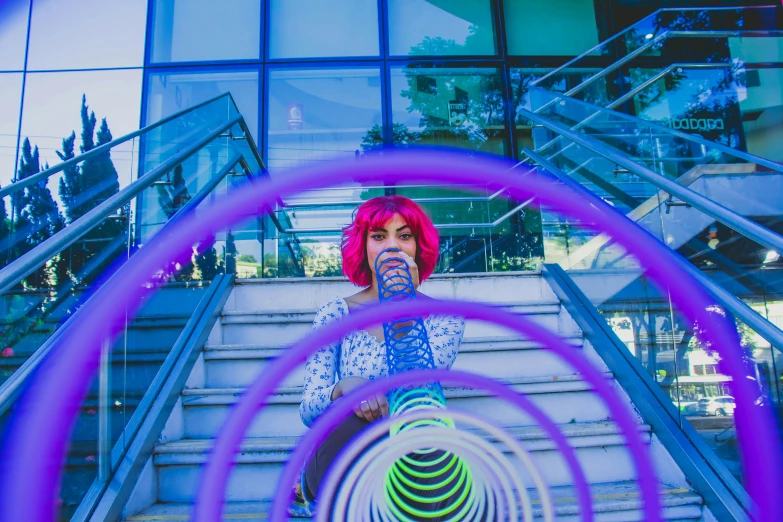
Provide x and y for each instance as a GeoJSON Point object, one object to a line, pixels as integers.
{"type": "Point", "coordinates": [319, 80]}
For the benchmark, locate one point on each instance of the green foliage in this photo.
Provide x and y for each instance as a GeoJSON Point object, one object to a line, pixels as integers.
{"type": "Point", "coordinates": [38, 217]}
{"type": "Point", "coordinates": [322, 260]}
{"type": "Point", "coordinates": [230, 253]}
{"type": "Point", "coordinates": [87, 185]}
{"type": "Point", "coordinates": [208, 264]}
{"type": "Point", "coordinates": [246, 258]}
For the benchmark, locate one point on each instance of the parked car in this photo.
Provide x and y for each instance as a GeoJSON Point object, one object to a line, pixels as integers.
{"type": "Point", "coordinates": [689, 407]}
{"type": "Point", "coordinates": [718, 406]}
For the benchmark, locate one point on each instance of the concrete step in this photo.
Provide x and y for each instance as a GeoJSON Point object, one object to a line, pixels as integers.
{"type": "Point", "coordinates": [565, 398]}
{"type": "Point", "coordinates": [498, 357]}
{"type": "Point", "coordinates": [612, 502]}
{"type": "Point", "coordinates": [600, 450]}
{"type": "Point", "coordinates": [499, 288]}
{"type": "Point", "coordinates": [284, 327]}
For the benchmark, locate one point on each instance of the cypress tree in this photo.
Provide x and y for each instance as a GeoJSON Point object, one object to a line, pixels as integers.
{"type": "Point", "coordinates": [39, 217]}
{"type": "Point", "coordinates": [207, 263]}
{"type": "Point", "coordinates": [230, 254]}
{"type": "Point", "coordinates": [87, 185]}
{"type": "Point", "coordinates": [70, 183]}
{"type": "Point", "coordinates": [28, 165]}
{"type": "Point", "coordinates": [171, 199]}
{"type": "Point", "coordinates": [5, 230]}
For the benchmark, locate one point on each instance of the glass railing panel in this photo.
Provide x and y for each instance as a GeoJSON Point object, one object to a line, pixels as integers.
{"type": "Point", "coordinates": [35, 213]}
{"type": "Point", "coordinates": [725, 255]}
{"type": "Point", "coordinates": [36, 308]}
{"type": "Point", "coordinates": [720, 87]}
{"type": "Point", "coordinates": [672, 154]}
{"type": "Point", "coordinates": [168, 139]}
{"type": "Point", "coordinates": [481, 230]}
{"type": "Point", "coordinates": [670, 349]}
{"type": "Point", "coordinates": [139, 352]}
{"type": "Point", "coordinates": [186, 181]}
{"type": "Point", "coordinates": [648, 32]}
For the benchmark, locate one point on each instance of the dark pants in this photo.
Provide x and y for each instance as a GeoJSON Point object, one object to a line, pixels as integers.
{"type": "Point", "coordinates": [326, 453]}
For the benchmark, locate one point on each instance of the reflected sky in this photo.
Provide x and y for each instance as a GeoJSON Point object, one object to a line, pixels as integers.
{"type": "Point", "coordinates": [411, 22]}
{"type": "Point", "coordinates": [52, 114]}
{"type": "Point", "coordinates": [100, 33]}
{"type": "Point", "coordinates": [314, 28]}
{"type": "Point", "coordinates": [11, 89]}
{"type": "Point", "coordinates": [13, 34]}
{"type": "Point", "coordinates": [192, 30]}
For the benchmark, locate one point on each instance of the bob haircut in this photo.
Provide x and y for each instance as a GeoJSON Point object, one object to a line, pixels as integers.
{"type": "Point", "coordinates": [374, 214]}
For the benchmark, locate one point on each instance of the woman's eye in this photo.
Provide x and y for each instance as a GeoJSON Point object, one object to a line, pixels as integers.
{"type": "Point", "coordinates": [406, 236]}
{"type": "Point", "coordinates": [377, 237]}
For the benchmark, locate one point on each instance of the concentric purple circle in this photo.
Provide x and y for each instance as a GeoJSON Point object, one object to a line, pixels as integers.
{"type": "Point", "coordinates": [37, 439]}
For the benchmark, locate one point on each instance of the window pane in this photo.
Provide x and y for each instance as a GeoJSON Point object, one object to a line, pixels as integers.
{"type": "Point", "coordinates": [440, 27]}
{"type": "Point", "coordinates": [527, 96]}
{"type": "Point", "coordinates": [459, 107]}
{"type": "Point", "coordinates": [315, 28]}
{"type": "Point", "coordinates": [13, 34]}
{"type": "Point", "coordinates": [50, 115]}
{"type": "Point", "coordinates": [322, 114]}
{"type": "Point", "coordinates": [550, 27]}
{"type": "Point", "coordinates": [199, 30]}
{"type": "Point", "coordinates": [11, 87]}
{"type": "Point", "coordinates": [169, 93]}
{"type": "Point", "coordinates": [99, 33]}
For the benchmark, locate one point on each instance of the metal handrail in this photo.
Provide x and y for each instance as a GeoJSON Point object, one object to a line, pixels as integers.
{"type": "Point", "coordinates": [444, 226]}
{"type": "Point", "coordinates": [632, 28]}
{"type": "Point", "coordinates": [45, 174]}
{"type": "Point", "coordinates": [729, 301]}
{"type": "Point", "coordinates": [640, 50]}
{"type": "Point", "coordinates": [20, 268]}
{"type": "Point", "coordinates": [750, 158]}
{"type": "Point", "coordinates": [353, 203]}
{"type": "Point", "coordinates": [722, 493]}
{"type": "Point", "coordinates": [720, 213]}
{"type": "Point", "coordinates": [628, 96]}
{"type": "Point", "coordinates": [105, 499]}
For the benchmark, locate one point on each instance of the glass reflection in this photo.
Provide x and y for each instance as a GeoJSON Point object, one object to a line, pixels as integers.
{"type": "Point", "coordinates": [171, 92]}
{"type": "Point", "coordinates": [458, 107]}
{"type": "Point", "coordinates": [11, 87]}
{"type": "Point", "coordinates": [91, 34]}
{"type": "Point", "coordinates": [13, 34]}
{"type": "Point", "coordinates": [322, 114]}
{"type": "Point", "coordinates": [440, 27]}
{"type": "Point", "coordinates": [52, 116]}
{"type": "Point", "coordinates": [179, 35]}
{"type": "Point", "coordinates": [550, 27]}
{"type": "Point", "coordinates": [314, 28]}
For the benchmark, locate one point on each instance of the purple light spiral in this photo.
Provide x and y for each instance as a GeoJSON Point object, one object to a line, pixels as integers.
{"type": "Point", "coordinates": [37, 439]}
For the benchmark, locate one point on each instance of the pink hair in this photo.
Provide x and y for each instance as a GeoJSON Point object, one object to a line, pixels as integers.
{"type": "Point", "coordinates": [374, 214]}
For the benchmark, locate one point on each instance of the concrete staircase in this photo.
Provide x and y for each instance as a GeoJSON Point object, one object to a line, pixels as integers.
{"type": "Point", "coordinates": [262, 317]}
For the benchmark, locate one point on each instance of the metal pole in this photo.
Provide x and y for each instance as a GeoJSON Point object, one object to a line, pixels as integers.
{"type": "Point", "coordinates": [104, 413]}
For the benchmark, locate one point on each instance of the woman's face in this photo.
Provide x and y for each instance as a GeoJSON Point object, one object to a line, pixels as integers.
{"type": "Point", "coordinates": [395, 234]}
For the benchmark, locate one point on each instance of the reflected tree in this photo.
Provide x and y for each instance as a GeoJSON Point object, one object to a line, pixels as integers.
{"type": "Point", "coordinates": [87, 185]}
{"type": "Point", "coordinates": [171, 198]}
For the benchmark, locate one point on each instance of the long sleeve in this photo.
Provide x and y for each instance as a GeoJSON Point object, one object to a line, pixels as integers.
{"type": "Point", "coordinates": [321, 368]}
{"type": "Point", "coordinates": [445, 336]}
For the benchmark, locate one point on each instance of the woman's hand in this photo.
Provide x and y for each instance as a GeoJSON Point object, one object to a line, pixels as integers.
{"type": "Point", "coordinates": [371, 408]}
{"type": "Point", "coordinates": [413, 268]}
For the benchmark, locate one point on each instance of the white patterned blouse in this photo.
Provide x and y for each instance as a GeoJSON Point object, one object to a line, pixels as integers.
{"type": "Point", "coordinates": [363, 355]}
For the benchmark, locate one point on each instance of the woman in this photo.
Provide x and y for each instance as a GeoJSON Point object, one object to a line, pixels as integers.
{"type": "Point", "coordinates": [380, 224]}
